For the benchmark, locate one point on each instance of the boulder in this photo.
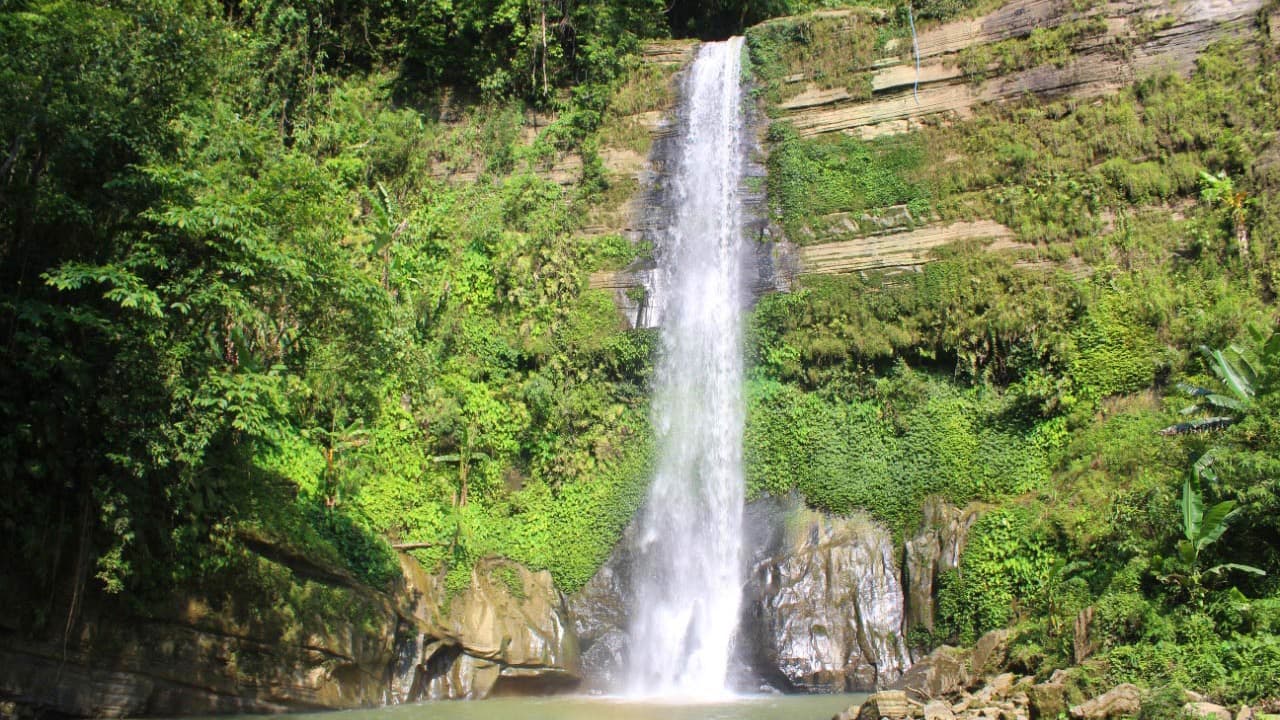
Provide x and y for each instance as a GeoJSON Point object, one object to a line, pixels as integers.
{"type": "Point", "coordinates": [891, 704]}
{"type": "Point", "coordinates": [1245, 713]}
{"type": "Point", "coordinates": [990, 653]}
{"type": "Point", "coordinates": [1207, 710]}
{"type": "Point", "coordinates": [945, 671]}
{"type": "Point", "coordinates": [508, 627]}
{"type": "Point", "coordinates": [1120, 701]}
{"type": "Point", "coordinates": [826, 608]}
{"type": "Point", "coordinates": [938, 710]}
{"type": "Point", "coordinates": [998, 689]}
{"type": "Point", "coordinates": [1047, 701]}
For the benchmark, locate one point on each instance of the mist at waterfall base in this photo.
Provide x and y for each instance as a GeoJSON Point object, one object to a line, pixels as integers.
{"type": "Point", "coordinates": [688, 575]}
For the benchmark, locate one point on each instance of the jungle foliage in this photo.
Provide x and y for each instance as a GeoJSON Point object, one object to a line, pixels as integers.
{"type": "Point", "coordinates": [301, 275]}
{"type": "Point", "coordinates": [1049, 382]}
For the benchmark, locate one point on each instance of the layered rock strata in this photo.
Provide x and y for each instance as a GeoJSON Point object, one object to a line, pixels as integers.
{"type": "Point", "coordinates": [505, 633]}
{"type": "Point", "coordinates": [1140, 37]}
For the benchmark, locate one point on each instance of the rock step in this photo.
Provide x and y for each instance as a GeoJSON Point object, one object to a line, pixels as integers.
{"type": "Point", "coordinates": [1096, 68]}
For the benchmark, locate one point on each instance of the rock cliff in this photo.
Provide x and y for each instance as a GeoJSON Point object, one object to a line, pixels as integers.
{"type": "Point", "coordinates": [507, 631]}
{"type": "Point", "coordinates": [829, 606]}
{"type": "Point", "coordinates": [1134, 38]}
{"type": "Point", "coordinates": [827, 603]}
{"type": "Point", "coordinates": [341, 645]}
{"type": "Point", "coordinates": [1106, 47]}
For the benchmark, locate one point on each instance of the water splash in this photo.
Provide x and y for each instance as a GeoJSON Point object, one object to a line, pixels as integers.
{"type": "Point", "coordinates": [689, 582]}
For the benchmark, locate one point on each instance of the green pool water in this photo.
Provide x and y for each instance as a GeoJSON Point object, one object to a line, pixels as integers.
{"type": "Point", "coordinates": [775, 707]}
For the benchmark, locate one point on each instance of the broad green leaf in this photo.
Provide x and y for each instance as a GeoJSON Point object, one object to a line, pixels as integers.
{"type": "Point", "coordinates": [1230, 374]}
{"type": "Point", "coordinates": [1214, 523]}
{"type": "Point", "coordinates": [1186, 552]}
{"type": "Point", "coordinates": [1219, 569]}
{"type": "Point", "coordinates": [1192, 510]}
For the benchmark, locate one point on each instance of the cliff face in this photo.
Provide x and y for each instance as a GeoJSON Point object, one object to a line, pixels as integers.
{"type": "Point", "coordinates": [1117, 42]}
{"type": "Point", "coordinates": [1077, 50]}
{"type": "Point", "coordinates": [325, 642]}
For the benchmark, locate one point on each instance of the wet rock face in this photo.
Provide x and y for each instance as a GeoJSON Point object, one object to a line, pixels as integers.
{"type": "Point", "coordinates": [934, 549]}
{"type": "Point", "coordinates": [825, 606]}
{"type": "Point", "coordinates": [828, 607]}
{"type": "Point", "coordinates": [599, 613]}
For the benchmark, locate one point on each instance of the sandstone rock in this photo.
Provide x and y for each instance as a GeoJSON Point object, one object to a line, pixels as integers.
{"type": "Point", "coordinates": [1245, 713]}
{"type": "Point", "coordinates": [209, 655]}
{"type": "Point", "coordinates": [1094, 69]}
{"type": "Point", "coordinates": [1122, 700]}
{"type": "Point", "coordinates": [890, 704]}
{"type": "Point", "coordinates": [828, 606]}
{"type": "Point", "coordinates": [945, 671]}
{"type": "Point", "coordinates": [510, 626]}
{"type": "Point", "coordinates": [990, 653]}
{"type": "Point", "coordinates": [1047, 701]}
{"type": "Point", "coordinates": [998, 688]}
{"type": "Point", "coordinates": [849, 713]}
{"type": "Point", "coordinates": [1208, 710]}
{"type": "Point", "coordinates": [938, 710]}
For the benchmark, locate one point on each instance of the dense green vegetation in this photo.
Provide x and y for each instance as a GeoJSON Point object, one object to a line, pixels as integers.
{"type": "Point", "coordinates": [1047, 381]}
{"type": "Point", "coordinates": [308, 276]}
{"type": "Point", "coordinates": [309, 280]}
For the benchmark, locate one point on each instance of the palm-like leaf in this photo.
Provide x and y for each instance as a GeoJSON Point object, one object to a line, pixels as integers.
{"type": "Point", "coordinates": [1194, 426]}
{"type": "Point", "coordinates": [1219, 569]}
{"type": "Point", "coordinates": [1192, 510]}
{"type": "Point", "coordinates": [1213, 523]}
{"type": "Point", "coordinates": [1228, 371]}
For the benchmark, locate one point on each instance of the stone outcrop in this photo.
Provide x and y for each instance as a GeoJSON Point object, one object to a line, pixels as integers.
{"type": "Point", "coordinates": [1207, 710]}
{"type": "Point", "coordinates": [934, 549]}
{"type": "Point", "coordinates": [206, 657]}
{"type": "Point", "coordinates": [1003, 697]}
{"type": "Point", "coordinates": [886, 704]}
{"type": "Point", "coordinates": [825, 607]}
{"type": "Point", "coordinates": [941, 673]}
{"type": "Point", "coordinates": [509, 628]}
{"type": "Point", "coordinates": [335, 644]}
{"type": "Point", "coordinates": [828, 607]}
{"type": "Point", "coordinates": [1121, 701]}
{"type": "Point", "coordinates": [599, 614]}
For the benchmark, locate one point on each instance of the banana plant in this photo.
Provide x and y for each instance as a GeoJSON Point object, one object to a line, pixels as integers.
{"type": "Point", "coordinates": [1201, 528]}
{"type": "Point", "coordinates": [1244, 375]}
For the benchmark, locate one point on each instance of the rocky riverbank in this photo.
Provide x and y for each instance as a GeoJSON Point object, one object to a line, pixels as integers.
{"type": "Point", "coordinates": [957, 684]}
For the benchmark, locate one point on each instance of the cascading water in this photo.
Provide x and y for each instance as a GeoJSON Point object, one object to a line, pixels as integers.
{"type": "Point", "coordinates": [688, 575]}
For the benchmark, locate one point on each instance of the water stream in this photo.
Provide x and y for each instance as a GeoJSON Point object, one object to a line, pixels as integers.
{"type": "Point", "coordinates": [688, 561]}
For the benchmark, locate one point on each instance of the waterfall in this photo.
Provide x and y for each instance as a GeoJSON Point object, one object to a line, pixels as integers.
{"type": "Point", "coordinates": [688, 571]}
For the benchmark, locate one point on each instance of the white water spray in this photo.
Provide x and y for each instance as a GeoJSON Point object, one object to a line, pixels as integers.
{"type": "Point", "coordinates": [688, 578]}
